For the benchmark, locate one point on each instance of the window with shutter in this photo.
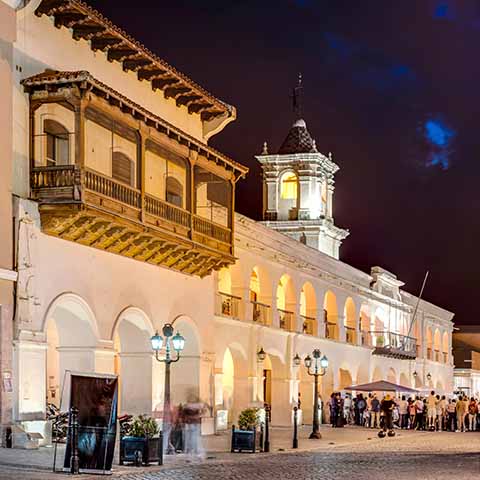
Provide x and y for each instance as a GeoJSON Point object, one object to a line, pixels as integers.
{"type": "Point", "coordinates": [122, 168]}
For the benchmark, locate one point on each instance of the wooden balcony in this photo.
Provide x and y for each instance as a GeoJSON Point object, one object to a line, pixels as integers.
{"type": "Point", "coordinates": [84, 206]}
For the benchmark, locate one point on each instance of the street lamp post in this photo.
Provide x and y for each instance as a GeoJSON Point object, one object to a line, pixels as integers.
{"type": "Point", "coordinates": [320, 365]}
{"type": "Point", "coordinates": [178, 343]}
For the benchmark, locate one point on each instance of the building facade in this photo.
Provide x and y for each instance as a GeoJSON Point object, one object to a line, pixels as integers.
{"type": "Point", "coordinates": [124, 220]}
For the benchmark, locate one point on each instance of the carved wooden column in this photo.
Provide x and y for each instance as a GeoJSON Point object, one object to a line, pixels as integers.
{"type": "Point", "coordinates": [142, 140]}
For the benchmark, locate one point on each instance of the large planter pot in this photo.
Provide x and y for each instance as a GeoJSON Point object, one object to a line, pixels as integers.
{"type": "Point", "coordinates": [243, 440]}
{"type": "Point", "coordinates": [138, 450]}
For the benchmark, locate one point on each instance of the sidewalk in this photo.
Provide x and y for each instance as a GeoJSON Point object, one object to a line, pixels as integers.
{"type": "Point", "coordinates": [351, 439]}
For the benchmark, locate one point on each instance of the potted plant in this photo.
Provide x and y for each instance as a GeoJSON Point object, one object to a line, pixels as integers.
{"type": "Point", "coordinates": [380, 341]}
{"type": "Point", "coordinates": [143, 442]}
{"type": "Point", "coordinates": [244, 438]}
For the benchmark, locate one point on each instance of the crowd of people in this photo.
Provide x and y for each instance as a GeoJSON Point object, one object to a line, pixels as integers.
{"type": "Point", "coordinates": [432, 412]}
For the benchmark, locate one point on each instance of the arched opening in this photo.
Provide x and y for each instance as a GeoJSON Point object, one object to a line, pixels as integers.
{"type": "Point", "coordinates": [226, 304]}
{"type": "Point", "coordinates": [365, 325]}
{"type": "Point", "coordinates": [185, 376]}
{"type": "Point", "coordinates": [344, 378]}
{"type": "Point", "coordinates": [257, 290]}
{"type": "Point", "coordinates": [288, 196]}
{"type": "Point", "coordinates": [429, 338]}
{"type": "Point", "coordinates": [404, 380]}
{"type": "Point", "coordinates": [331, 315]}
{"type": "Point", "coordinates": [71, 336]}
{"type": "Point", "coordinates": [123, 168]}
{"type": "Point", "coordinates": [437, 346]}
{"type": "Point", "coordinates": [308, 309]}
{"type": "Point", "coordinates": [391, 376]}
{"type": "Point", "coordinates": [57, 151]}
{"type": "Point", "coordinates": [286, 303]}
{"type": "Point", "coordinates": [377, 375]}
{"type": "Point", "coordinates": [275, 390]}
{"type": "Point", "coordinates": [445, 347]}
{"type": "Point", "coordinates": [289, 186]}
{"type": "Point", "coordinates": [350, 321]}
{"type": "Point", "coordinates": [133, 354]}
{"type": "Point", "coordinates": [228, 380]}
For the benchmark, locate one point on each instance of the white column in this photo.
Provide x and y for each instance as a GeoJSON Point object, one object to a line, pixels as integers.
{"type": "Point", "coordinates": [29, 377]}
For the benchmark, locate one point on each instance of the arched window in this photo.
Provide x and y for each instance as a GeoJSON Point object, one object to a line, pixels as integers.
{"type": "Point", "coordinates": [57, 151]}
{"type": "Point", "coordinates": [122, 168]}
{"type": "Point", "coordinates": [174, 192]}
{"type": "Point", "coordinates": [289, 186]}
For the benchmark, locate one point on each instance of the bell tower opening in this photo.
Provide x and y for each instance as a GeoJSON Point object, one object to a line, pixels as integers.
{"type": "Point", "coordinates": [299, 186]}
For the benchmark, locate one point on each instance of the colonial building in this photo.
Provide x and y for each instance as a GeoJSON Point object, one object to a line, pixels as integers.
{"type": "Point", "coordinates": [124, 220]}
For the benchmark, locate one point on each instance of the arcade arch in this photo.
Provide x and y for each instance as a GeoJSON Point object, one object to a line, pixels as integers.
{"type": "Point", "coordinates": [331, 315]}
{"type": "Point", "coordinates": [350, 320]}
{"type": "Point", "coordinates": [71, 334]}
{"type": "Point", "coordinates": [308, 309]}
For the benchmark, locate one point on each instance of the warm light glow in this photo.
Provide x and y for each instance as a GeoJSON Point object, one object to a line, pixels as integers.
{"type": "Point", "coordinates": [289, 186]}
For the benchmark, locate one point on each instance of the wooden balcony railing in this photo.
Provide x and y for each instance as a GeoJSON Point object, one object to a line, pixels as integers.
{"type": "Point", "coordinates": [227, 305]}
{"type": "Point", "coordinates": [437, 356]}
{"type": "Point", "coordinates": [205, 227]}
{"type": "Point", "coordinates": [167, 211]}
{"type": "Point", "coordinates": [286, 320]}
{"type": "Point", "coordinates": [55, 176]}
{"type": "Point", "coordinates": [429, 353]}
{"type": "Point", "coordinates": [260, 313]}
{"type": "Point", "coordinates": [63, 184]}
{"type": "Point", "coordinates": [309, 325]}
{"type": "Point", "coordinates": [350, 335]}
{"type": "Point", "coordinates": [110, 188]}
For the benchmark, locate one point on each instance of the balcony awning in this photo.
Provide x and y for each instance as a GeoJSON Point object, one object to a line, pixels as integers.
{"type": "Point", "coordinates": [381, 386]}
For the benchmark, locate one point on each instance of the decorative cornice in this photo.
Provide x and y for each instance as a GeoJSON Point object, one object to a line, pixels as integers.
{"type": "Point", "coordinates": [87, 23]}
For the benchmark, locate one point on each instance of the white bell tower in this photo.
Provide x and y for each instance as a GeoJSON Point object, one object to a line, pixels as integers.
{"type": "Point", "coordinates": [298, 186]}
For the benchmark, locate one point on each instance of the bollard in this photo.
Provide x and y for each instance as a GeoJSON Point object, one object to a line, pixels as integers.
{"type": "Point", "coordinates": [74, 463]}
{"type": "Point", "coordinates": [266, 445]}
{"type": "Point", "coordinates": [295, 428]}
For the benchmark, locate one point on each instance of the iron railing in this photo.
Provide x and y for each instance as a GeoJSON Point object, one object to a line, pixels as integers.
{"type": "Point", "coordinates": [394, 343]}
{"type": "Point", "coordinates": [260, 313]}
{"type": "Point", "coordinates": [350, 335]}
{"type": "Point", "coordinates": [309, 325]}
{"type": "Point", "coordinates": [286, 319]}
{"type": "Point", "coordinates": [227, 305]}
{"type": "Point", "coordinates": [331, 330]}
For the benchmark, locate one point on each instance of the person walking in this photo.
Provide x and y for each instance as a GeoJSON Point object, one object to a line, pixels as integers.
{"type": "Point", "coordinates": [362, 405]}
{"type": "Point", "coordinates": [418, 413]}
{"type": "Point", "coordinates": [403, 412]}
{"type": "Point", "coordinates": [375, 412]}
{"type": "Point", "coordinates": [452, 418]}
{"type": "Point", "coordinates": [472, 415]}
{"type": "Point", "coordinates": [461, 408]}
{"type": "Point", "coordinates": [411, 413]}
{"type": "Point", "coordinates": [431, 410]}
{"type": "Point", "coordinates": [441, 412]}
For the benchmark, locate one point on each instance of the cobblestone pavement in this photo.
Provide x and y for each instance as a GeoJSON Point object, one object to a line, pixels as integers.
{"type": "Point", "coordinates": [409, 455]}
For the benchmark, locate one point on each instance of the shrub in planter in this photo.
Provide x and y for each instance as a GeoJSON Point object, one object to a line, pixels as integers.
{"type": "Point", "coordinates": [244, 439]}
{"type": "Point", "coordinates": [143, 444]}
{"type": "Point", "coordinates": [248, 419]}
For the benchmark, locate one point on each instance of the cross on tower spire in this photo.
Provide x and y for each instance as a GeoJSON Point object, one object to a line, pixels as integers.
{"type": "Point", "coordinates": [297, 100]}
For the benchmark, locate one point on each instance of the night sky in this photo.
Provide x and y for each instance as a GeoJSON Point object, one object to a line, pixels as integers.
{"type": "Point", "coordinates": [390, 88]}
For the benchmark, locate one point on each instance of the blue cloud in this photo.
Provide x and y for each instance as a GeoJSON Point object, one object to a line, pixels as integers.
{"type": "Point", "coordinates": [367, 67]}
{"type": "Point", "coordinates": [438, 137]}
{"type": "Point", "coordinates": [444, 10]}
